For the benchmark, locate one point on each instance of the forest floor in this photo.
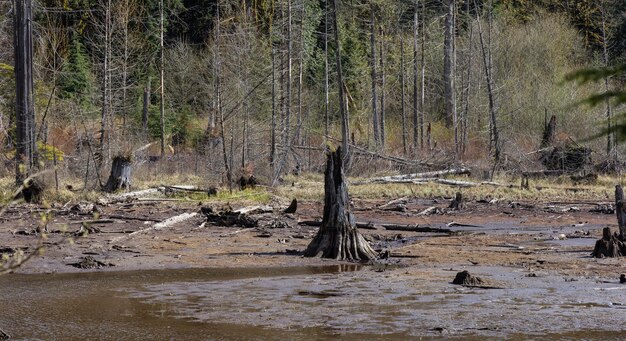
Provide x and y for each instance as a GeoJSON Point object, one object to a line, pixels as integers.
{"type": "Point", "coordinates": [533, 256]}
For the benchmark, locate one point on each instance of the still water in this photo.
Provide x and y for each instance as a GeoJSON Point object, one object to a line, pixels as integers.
{"type": "Point", "coordinates": [302, 303]}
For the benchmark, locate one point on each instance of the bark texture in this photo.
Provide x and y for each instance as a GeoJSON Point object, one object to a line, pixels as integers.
{"type": "Point", "coordinates": [338, 237]}
{"type": "Point", "coordinates": [120, 174]}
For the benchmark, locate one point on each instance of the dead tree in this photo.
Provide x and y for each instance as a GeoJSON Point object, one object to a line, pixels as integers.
{"type": "Point", "coordinates": [24, 96]}
{"type": "Point", "coordinates": [613, 245]}
{"type": "Point", "coordinates": [120, 174]}
{"type": "Point", "coordinates": [374, 78]}
{"type": "Point", "coordinates": [549, 133]}
{"type": "Point", "coordinates": [338, 237]}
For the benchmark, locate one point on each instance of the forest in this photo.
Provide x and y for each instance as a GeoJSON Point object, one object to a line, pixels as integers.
{"type": "Point", "coordinates": [312, 169]}
{"type": "Point", "coordinates": [224, 89]}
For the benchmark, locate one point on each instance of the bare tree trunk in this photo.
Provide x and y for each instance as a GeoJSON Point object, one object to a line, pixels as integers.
{"type": "Point", "coordinates": [104, 129]}
{"type": "Point", "coordinates": [326, 87]}
{"type": "Point", "coordinates": [345, 120]}
{"type": "Point", "coordinates": [300, 70]}
{"type": "Point", "coordinates": [494, 144]}
{"type": "Point", "coordinates": [382, 89]}
{"type": "Point", "coordinates": [610, 137]}
{"type": "Point", "coordinates": [125, 72]}
{"type": "Point", "coordinates": [374, 77]}
{"type": "Point", "coordinates": [273, 127]}
{"type": "Point", "coordinates": [218, 101]}
{"type": "Point", "coordinates": [422, 106]}
{"type": "Point", "coordinates": [402, 100]}
{"type": "Point", "coordinates": [416, 122]}
{"type": "Point", "coordinates": [26, 147]}
{"type": "Point", "coordinates": [448, 65]}
{"type": "Point", "coordinates": [145, 109]}
{"type": "Point", "coordinates": [338, 237]}
{"type": "Point", "coordinates": [162, 89]}
{"type": "Point", "coordinates": [468, 80]}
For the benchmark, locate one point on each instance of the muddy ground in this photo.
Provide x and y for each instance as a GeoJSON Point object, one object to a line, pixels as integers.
{"type": "Point", "coordinates": [534, 257]}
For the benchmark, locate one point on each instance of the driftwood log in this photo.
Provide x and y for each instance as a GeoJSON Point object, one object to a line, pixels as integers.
{"type": "Point", "coordinates": [338, 237]}
{"type": "Point", "coordinates": [120, 174]}
{"type": "Point", "coordinates": [613, 245]}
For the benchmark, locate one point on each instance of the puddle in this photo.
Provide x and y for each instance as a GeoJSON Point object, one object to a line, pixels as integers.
{"type": "Point", "coordinates": [304, 303]}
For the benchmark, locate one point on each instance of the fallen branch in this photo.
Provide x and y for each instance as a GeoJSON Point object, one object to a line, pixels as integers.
{"type": "Point", "coordinates": [424, 175]}
{"type": "Point", "coordinates": [317, 223]}
{"type": "Point", "coordinates": [158, 226]}
{"type": "Point", "coordinates": [414, 228]}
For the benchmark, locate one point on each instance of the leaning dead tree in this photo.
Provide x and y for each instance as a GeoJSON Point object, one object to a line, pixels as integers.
{"type": "Point", "coordinates": [338, 237]}
{"type": "Point", "coordinates": [614, 245]}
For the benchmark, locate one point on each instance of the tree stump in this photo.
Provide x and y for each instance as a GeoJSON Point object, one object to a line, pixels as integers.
{"type": "Point", "coordinates": [613, 245]}
{"type": "Point", "coordinates": [549, 133]}
{"type": "Point", "coordinates": [120, 174]}
{"type": "Point", "coordinates": [338, 237]}
{"type": "Point", "coordinates": [456, 203]}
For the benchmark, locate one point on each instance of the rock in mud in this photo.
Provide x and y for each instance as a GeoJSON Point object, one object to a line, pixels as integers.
{"type": "Point", "coordinates": [622, 278]}
{"type": "Point", "coordinates": [466, 279]}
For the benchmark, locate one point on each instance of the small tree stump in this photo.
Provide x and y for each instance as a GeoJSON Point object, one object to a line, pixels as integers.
{"type": "Point", "coordinates": [293, 207]}
{"type": "Point", "coordinates": [457, 202]}
{"type": "Point", "coordinates": [466, 279]}
{"type": "Point", "coordinates": [338, 237]}
{"type": "Point", "coordinates": [609, 246]}
{"type": "Point", "coordinates": [120, 174]}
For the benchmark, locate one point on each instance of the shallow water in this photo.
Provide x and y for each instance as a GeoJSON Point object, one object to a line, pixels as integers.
{"type": "Point", "coordinates": [305, 303]}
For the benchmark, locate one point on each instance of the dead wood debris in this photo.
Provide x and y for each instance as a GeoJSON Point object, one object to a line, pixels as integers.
{"type": "Point", "coordinates": [4, 335]}
{"type": "Point", "coordinates": [603, 209]}
{"type": "Point", "coordinates": [228, 218]}
{"type": "Point", "coordinates": [278, 224]}
{"type": "Point", "coordinates": [414, 228]}
{"type": "Point", "coordinates": [89, 262]}
{"type": "Point", "coordinates": [466, 279]}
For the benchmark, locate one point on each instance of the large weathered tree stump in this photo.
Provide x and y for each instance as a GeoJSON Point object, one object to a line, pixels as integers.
{"type": "Point", "coordinates": [338, 237]}
{"type": "Point", "coordinates": [614, 245]}
{"type": "Point", "coordinates": [120, 174]}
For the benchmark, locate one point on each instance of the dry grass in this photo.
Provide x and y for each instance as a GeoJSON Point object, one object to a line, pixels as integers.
{"type": "Point", "coordinates": [310, 187]}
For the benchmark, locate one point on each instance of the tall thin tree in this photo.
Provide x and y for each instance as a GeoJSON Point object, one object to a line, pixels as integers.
{"type": "Point", "coordinates": [24, 90]}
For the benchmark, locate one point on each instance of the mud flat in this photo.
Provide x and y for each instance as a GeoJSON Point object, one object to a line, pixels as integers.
{"type": "Point", "coordinates": [195, 281]}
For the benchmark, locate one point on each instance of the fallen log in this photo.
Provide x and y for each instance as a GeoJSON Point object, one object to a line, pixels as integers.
{"type": "Point", "coordinates": [433, 174]}
{"type": "Point", "coordinates": [160, 225]}
{"type": "Point", "coordinates": [318, 223]}
{"type": "Point", "coordinates": [414, 228]}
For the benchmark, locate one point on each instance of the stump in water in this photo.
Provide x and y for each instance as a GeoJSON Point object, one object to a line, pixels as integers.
{"type": "Point", "coordinates": [613, 245]}
{"type": "Point", "coordinates": [120, 174]}
{"type": "Point", "coordinates": [466, 279]}
{"type": "Point", "coordinates": [338, 237]}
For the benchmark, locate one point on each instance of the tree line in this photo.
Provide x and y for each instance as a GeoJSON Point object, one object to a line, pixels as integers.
{"type": "Point", "coordinates": [265, 84]}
